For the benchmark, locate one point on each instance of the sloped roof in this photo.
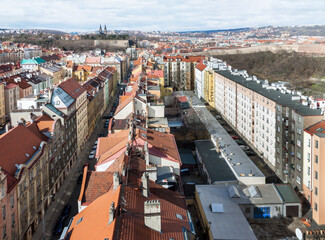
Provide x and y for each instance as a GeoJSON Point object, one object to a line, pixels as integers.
{"type": "Point", "coordinates": [15, 147]}
{"type": "Point", "coordinates": [201, 66]}
{"type": "Point", "coordinates": [72, 87]}
{"type": "Point", "coordinates": [92, 222]}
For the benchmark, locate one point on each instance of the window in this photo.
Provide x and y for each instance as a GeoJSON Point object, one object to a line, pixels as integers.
{"type": "Point", "coordinates": [299, 155]}
{"type": "Point", "coordinates": [316, 158]}
{"type": "Point", "coordinates": [299, 119]}
{"type": "Point", "coordinates": [299, 131]}
{"type": "Point", "coordinates": [298, 179]}
{"type": "Point", "coordinates": [308, 142]}
{"type": "Point", "coordinates": [316, 144]}
{"type": "Point", "coordinates": [13, 221]}
{"type": "Point", "coordinates": [316, 175]}
{"type": "Point", "coordinates": [298, 167]}
{"type": "Point", "coordinates": [298, 143]}
{"type": "Point", "coordinates": [308, 157]}
{"type": "Point", "coordinates": [315, 207]}
{"type": "Point", "coordinates": [308, 171]}
{"type": "Point", "coordinates": [179, 216]}
{"type": "Point", "coordinates": [4, 232]}
{"type": "Point", "coordinates": [12, 201]}
{"type": "Point", "coordinates": [316, 191]}
{"type": "Point", "coordinates": [4, 212]}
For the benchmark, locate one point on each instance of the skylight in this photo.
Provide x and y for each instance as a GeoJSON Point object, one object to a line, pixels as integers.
{"type": "Point", "coordinates": [179, 216]}
{"type": "Point", "coordinates": [217, 207]}
{"type": "Point", "coordinates": [80, 220]}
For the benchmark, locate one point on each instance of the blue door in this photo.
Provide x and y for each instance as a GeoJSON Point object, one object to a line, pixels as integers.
{"type": "Point", "coordinates": [261, 212]}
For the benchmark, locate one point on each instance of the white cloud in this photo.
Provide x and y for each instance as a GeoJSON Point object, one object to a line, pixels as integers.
{"type": "Point", "coordinates": [169, 15]}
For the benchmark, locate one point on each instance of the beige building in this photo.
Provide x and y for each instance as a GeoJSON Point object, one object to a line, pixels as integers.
{"type": "Point", "coordinates": [270, 119]}
{"type": "Point", "coordinates": [77, 92]}
{"type": "Point", "coordinates": [54, 71]}
{"type": "Point", "coordinates": [11, 96]}
{"type": "Point", "coordinates": [30, 171]}
{"type": "Point", "coordinates": [314, 168]}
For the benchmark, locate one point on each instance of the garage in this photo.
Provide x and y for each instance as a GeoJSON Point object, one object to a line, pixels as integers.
{"type": "Point", "coordinates": [292, 211]}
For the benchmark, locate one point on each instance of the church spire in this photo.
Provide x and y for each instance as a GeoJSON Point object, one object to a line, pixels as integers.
{"type": "Point", "coordinates": [100, 29]}
{"type": "Point", "coordinates": [105, 30]}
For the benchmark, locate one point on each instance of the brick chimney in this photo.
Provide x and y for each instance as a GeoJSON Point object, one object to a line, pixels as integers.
{"type": "Point", "coordinates": [111, 213]}
{"type": "Point", "coordinates": [116, 180]}
{"type": "Point", "coordinates": [152, 215]}
{"type": "Point", "coordinates": [145, 184]}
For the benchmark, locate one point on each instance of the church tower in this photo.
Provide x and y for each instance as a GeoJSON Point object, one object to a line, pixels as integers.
{"type": "Point", "coordinates": [100, 29]}
{"type": "Point", "coordinates": [105, 30]}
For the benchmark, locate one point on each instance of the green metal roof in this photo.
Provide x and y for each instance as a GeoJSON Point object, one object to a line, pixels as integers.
{"type": "Point", "coordinates": [287, 193]}
{"type": "Point", "coordinates": [37, 60]}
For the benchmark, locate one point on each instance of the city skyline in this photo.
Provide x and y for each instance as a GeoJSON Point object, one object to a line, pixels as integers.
{"type": "Point", "coordinates": [155, 15]}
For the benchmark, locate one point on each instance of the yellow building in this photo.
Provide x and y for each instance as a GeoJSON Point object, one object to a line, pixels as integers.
{"type": "Point", "coordinates": [209, 87]}
{"type": "Point", "coordinates": [2, 104]}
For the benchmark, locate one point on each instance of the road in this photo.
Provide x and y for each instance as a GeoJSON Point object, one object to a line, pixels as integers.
{"type": "Point", "coordinates": [70, 189]}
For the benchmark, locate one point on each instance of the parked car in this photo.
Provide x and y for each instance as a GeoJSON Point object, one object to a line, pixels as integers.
{"type": "Point", "coordinates": [250, 153]}
{"type": "Point", "coordinates": [94, 147]}
{"type": "Point", "coordinates": [79, 179]}
{"type": "Point", "coordinates": [58, 226]}
{"type": "Point", "coordinates": [229, 130]}
{"type": "Point", "coordinates": [239, 142]}
{"type": "Point", "coordinates": [93, 152]}
{"type": "Point", "coordinates": [244, 147]}
{"type": "Point", "coordinates": [234, 137]}
{"type": "Point", "coordinates": [185, 172]}
{"type": "Point", "coordinates": [101, 134]}
{"type": "Point", "coordinates": [106, 125]}
{"type": "Point", "coordinates": [66, 210]}
{"type": "Point", "coordinates": [91, 156]}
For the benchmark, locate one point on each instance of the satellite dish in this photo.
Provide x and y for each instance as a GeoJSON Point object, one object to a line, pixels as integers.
{"type": "Point", "coordinates": [299, 234]}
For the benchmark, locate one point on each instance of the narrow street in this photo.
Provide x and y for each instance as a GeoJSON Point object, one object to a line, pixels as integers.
{"type": "Point", "coordinates": [69, 191]}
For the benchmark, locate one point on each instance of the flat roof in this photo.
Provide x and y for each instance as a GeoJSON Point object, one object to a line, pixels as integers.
{"type": "Point", "coordinates": [231, 223]}
{"type": "Point", "coordinates": [239, 162]}
{"type": "Point", "coordinates": [274, 95]}
{"type": "Point", "coordinates": [216, 166]}
{"type": "Point", "coordinates": [186, 156]}
{"type": "Point", "coordinates": [287, 193]}
{"type": "Point", "coordinates": [158, 121]}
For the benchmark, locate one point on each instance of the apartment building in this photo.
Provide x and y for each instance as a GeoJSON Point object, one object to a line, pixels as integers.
{"type": "Point", "coordinates": [2, 104]}
{"type": "Point", "coordinates": [28, 174]}
{"type": "Point", "coordinates": [313, 167]}
{"type": "Point", "coordinates": [11, 92]}
{"type": "Point", "coordinates": [199, 80]}
{"type": "Point", "coordinates": [180, 71]}
{"type": "Point", "coordinates": [79, 94]}
{"type": "Point", "coordinates": [269, 117]}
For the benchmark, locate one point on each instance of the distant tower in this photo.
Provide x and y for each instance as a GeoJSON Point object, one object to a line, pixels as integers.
{"type": "Point", "coordinates": [105, 30]}
{"type": "Point", "coordinates": [100, 29]}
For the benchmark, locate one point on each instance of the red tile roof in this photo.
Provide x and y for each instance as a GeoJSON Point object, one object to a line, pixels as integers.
{"type": "Point", "coordinates": [316, 128]}
{"type": "Point", "coordinates": [72, 87]}
{"type": "Point", "coordinates": [15, 147]}
{"type": "Point", "coordinates": [201, 66]}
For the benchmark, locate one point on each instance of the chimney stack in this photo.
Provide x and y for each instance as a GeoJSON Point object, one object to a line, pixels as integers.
{"type": "Point", "coordinates": [116, 180]}
{"type": "Point", "coordinates": [111, 213]}
{"type": "Point", "coordinates": [217, 145]}
{"type": "Point", "coordinates": [145, 184]}
{"type": "Point", "coordinates": [146, 156]}
{"type": "Point", "coordinates": [152, 215]}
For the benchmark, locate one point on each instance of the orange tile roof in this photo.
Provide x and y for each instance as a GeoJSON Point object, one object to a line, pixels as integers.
{"type": "Point", "coordinates": [45, 123]}
{"type": "Point", "coordinates": [92, 222]}
{"type": "Point", "coordinates": [201, 66]}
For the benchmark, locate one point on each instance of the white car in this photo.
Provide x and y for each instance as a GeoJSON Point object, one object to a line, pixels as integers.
{"type": "Point", "coordinates": [244, 148]}
{"type": "Point", "coordinates": [91, 156]}
{"type": "Point", "coordinates": [94, 147]}
{"type": "Point", "coordinates": [96, 143]}
{"type": "Point", "coordinates": [93, 152]}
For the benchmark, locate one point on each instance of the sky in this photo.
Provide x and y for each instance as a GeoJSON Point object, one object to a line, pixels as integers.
{"type": "Point", "coordinates": [162, 15]}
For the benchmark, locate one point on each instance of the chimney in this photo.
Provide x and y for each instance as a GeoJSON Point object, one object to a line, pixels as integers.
{"type": "Point", "coordinates": [152, 215]}
{"type": "Point", "coordinates": [111, 213]}
{"type": "Point", "coordinates": [116, 180]}
{"type": "Point", "coordinates": [217, 145]}
{"type": "Point", "coordinates": [145, 184]}
{"type": "Point", "coordinates": [146, 156]}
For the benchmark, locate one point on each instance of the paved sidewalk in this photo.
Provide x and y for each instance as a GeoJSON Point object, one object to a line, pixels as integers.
{"type": "Point", "coordinates": [63, 195]}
